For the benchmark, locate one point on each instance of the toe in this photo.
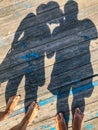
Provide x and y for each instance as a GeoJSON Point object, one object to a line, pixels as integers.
{"type": "Point", "coordinates": [58, 117]}
{"type": "Point", "coordinates": [61, 115]}
{"type": "Point", "coordinates": [77, 110]}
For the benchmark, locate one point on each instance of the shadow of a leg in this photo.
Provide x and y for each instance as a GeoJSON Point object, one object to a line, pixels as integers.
{"type": "Point", "coordinates": [30, 94]}
{"type": "Point", "coordinates": [78, 103]}
{"type": "Point", "coordinates": [12, 86]}
{"type": "Point", "coordinates": [62, 103]}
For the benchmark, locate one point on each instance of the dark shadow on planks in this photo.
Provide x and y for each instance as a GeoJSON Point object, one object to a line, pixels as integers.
{"type": "Point", "coordinates": [70, 41]}
{"type": "Point", "coordinates": [71, 70]}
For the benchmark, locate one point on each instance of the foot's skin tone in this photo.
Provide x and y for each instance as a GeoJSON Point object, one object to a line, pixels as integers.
{"type": "Point", "coordinates": [31, 113]}
{"type": "Point", "coordinates": [60, 122]}
{"type": "Point", "coordinates": [12, 102]}
{"type": "Point", "coordinates": [78, 120]}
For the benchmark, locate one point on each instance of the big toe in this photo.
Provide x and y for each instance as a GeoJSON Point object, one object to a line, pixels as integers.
{"type": "Point", "coordinates": [78, 113]}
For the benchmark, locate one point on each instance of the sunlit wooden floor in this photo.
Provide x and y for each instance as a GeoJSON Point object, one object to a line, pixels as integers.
{"type": "Point", "coordinates": [12, 13]}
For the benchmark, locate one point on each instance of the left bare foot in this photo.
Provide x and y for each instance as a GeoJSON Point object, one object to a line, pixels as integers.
{"type": "Point", "coordinates": [17, 127]}
{"type": "Point", "coordinates": [12, 103]}
{"type": "Point", "coordinates": [60, 122]}
{"type": "Point", "coordinates": [3, 116]}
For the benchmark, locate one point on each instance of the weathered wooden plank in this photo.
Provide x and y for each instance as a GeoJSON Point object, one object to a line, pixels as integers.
{"type": "Point", "coordinates": [6, 41]}
{"type": "Point", "coordinates": [10, 36]}
{"type": "Point", "coordinates": [90, 114]}
{"type": "Point", "coordinates": [17, 71]}
{"type": "Point", "coordinates": [4, 3]}
{"type": "Point", "coordinates": [24, 6]}
{"type": "Point", "coordinates": [72, 76]}
{"type": "Point", "coordinates": [21, 4]}
{"type": "Point", "coordinates": [42, 18]}
{"type": "Point", "coordinates": [54, 109]}
{"type": "Point", "coordinates": [63, 55]}
{"type": "Point", "coordinates": [38, 51]}
{"type": "Point", "coordinates": [30, 45]}
{"type": "Point", "coordinates": [46, 76]}
{"type": "Point", "coordinates": [10, 2]}
{"type": "Point", "coordinates": [31, 4]}
{"type": "Point", "coordinates": [69, 52]}
{"type": "Point", "coordinates": [67, 34]}
{"type": "Point", "coordinates": [50, 122]}
{"type": "Point", "coordinates": [44, 94]}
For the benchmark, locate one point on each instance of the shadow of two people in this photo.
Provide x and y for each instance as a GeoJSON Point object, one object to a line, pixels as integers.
{"type": "Point", "coordinates": [67, 71]}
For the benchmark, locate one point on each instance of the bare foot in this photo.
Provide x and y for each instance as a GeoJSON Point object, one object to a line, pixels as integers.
{"type": "Point", "coordinates": [78, 120]}
{"type": "Point", "coordinates": [12, 103]}
{"type": "Point", "coordinates": [31, 113]}
{"type": "Point", "coordinates": [60, 122]}
{"type": "Point", "coordinates": [17, 127]}
{"type": "Point", "coordinates": [3, 116]}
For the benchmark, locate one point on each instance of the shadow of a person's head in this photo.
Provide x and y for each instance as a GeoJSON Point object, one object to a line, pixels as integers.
{"type": "Point", "coordinates": [71, 11]}
{"type": "Point", "coordinates": [22, 33]}
{"type": "Point", "coordinates": [51, 12]}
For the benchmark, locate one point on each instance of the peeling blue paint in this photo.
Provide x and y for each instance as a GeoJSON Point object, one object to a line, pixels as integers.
{"type": "Point", "coordinates": [53, 128]}
{"type": "Point", "coordinates": [88, 37]}
{"type": "Point", "coordinates": [52, 99]}
{"type": "Point", "coordinates": [17, 14]}
{"type": "Point", "coordinates": [29, 56]}
{"type": "Point", "coordinates": [22, 43]}
{"type": "Point", "coordinates": [18, 4]}
{"type": "Point", "coordinates": [27, 6]}
{"type": "Point", "coordinates": [46, 127]}
{"type": "Point", "coordinates": [97, 114]}
{"type": "Point", "coordinates": [48, 100]}
{"type": "Point", "coordinates": [85, 87]}
{"type": "Point", "coordinates": [89, 126]}
{"type": "Point", "coordinates": [80, 89]}
{"type": "Point", "coordinates": [91, 117]}
{"type": "Point", "coordinates": [34, 55]}
{"type": "Point", "coordinates": [22, 110]}
{"type": "Point", "coordinates": [25, 57]}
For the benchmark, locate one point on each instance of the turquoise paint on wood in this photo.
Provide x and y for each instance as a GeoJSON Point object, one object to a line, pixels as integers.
{"type": "Point", "coordinates": [89, 126]}
{"type": "Point", "coordinates": [53, 98]}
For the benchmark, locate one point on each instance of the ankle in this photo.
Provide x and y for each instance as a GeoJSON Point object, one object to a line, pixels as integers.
{"type": "Point", "coordinates": [25, 121]}
{"type": "Point", "coordinates": [76, 126]}
{"type": "Point", "coordinates": [8, 112]}
{"type": "Point", "coordinates": [77, 122]}
{"type": "Point", "coordinates": [3, 116]}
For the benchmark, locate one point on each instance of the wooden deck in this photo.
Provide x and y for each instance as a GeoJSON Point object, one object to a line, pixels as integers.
{"type": "Point", "coordinates": [49, 53]}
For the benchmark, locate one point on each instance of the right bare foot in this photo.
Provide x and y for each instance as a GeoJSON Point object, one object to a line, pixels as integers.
{"type": "Point", "coordinates": [31, 113]}
{"type": "Point", "coordinates": [78, 120]}
{"type": "Point", "coordinates": [12, 102]}
{"type": "Point", "coordinates": [60, 122]}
